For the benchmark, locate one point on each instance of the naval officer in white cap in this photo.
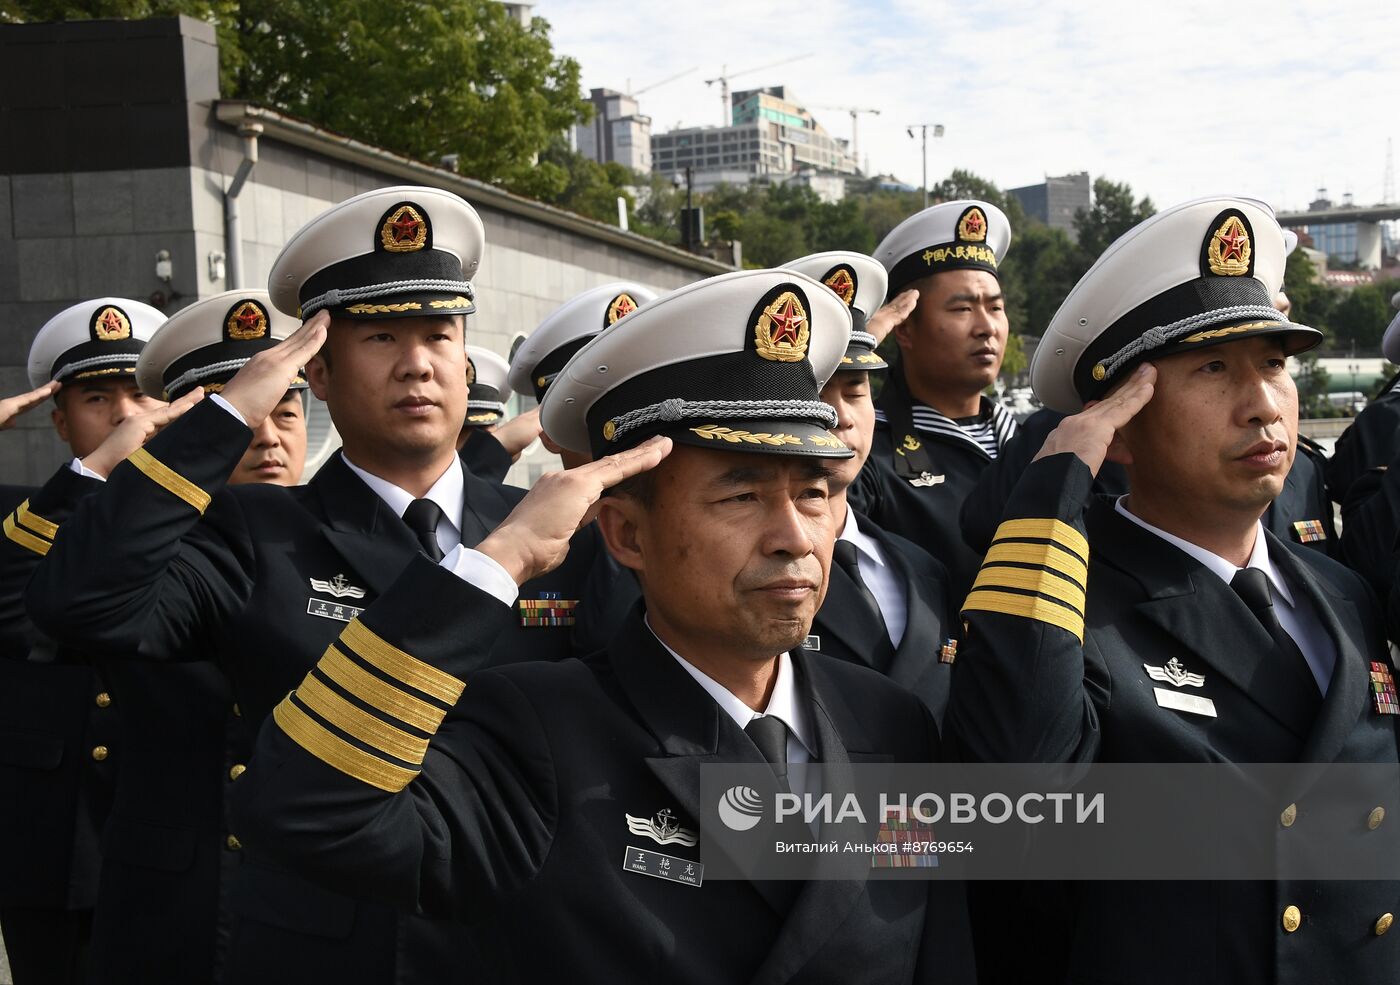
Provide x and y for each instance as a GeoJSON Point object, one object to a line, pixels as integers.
{"type": "Point", "coordinates": [203, 346]}
{"type": "Point", "coordinates": [262, 579]}
{"type": "Point", "coordinates": [529, 806]}
{"type": "Point", "coordinates": [488, 392]}
{"type": "Point", "coordinates": [1168, 625]}
{"type": "Point", "coordinates": [888, 603]}
{"type": "Point", "coordinates": [85, 358]}
{"type": "Point", "coordinates": [936, 430]}
{"type": "Point", "coordinates": [534, 366]}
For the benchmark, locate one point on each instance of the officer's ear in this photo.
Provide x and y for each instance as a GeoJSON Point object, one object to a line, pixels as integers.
{"type": "Point", "coordinates": [318, 372]}
{"type": "Point", "coordinates": [60, 421]}
{"type": "Point", "coordinates": [620, 518]}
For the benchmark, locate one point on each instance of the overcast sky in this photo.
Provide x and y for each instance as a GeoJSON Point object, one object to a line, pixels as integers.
{"type": "Point", "coordinates": [1178, 99]}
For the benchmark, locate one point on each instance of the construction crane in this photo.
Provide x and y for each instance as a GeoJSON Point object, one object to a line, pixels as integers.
{"type": "Point", "coordinates": [671, 78]}
{"type": "Point", "coordinates": [855, 112]}
{"type": "Point", "coordinates": [725, 75]}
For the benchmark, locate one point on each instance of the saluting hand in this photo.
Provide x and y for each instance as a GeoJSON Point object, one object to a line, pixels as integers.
{"type": "Point", "coordinates": [535, 537]}
{"type": "Point", "coordinates": [135, 431]}
{"type": "Point", "coordinates": [263, 381]}
{"type": "Point", "coordinates": [891, 313]}
{"type": "Point", "coordinates": [516, 434]}
{"type": "Point", "coordinates": [12, 407]}
{"type": "Point", "coordinates": [1090, 433]}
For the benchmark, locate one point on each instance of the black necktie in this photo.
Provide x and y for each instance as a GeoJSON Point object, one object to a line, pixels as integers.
{"type": "Point", "coordinates": [422, 518]}
{"type": "Point", "coordinates": [770, 735]}
{"type": "Point", "coordinates": [1252, 585]}
{"type": "Point", "coordinates": [844, 554]}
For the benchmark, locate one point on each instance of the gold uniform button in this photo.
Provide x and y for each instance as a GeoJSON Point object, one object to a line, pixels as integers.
{"type": "Point", "coordinates": [1383, 924]}
{"type": "Point", "coordinates": [103, 699]}
{"type": "Point", "coordinates": [99, 753]}
{"type": "Point", "coordinates": [1292, 919]}
{"type": "Point", "coordinates": [233, 843]}
{"type": "Point", "coordinates": [1373, 821]}
{"type": "Point", "coordinates": [236, 770]}
{"type": "Point", "coordinates": [1289, 815]}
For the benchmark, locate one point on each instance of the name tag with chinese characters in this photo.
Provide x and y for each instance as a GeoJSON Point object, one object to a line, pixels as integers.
{"type": "Point", "coordinates": [659, 866]}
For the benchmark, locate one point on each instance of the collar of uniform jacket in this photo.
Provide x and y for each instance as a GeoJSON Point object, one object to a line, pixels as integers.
{"type": "Point", "coordinates": [931, 421]}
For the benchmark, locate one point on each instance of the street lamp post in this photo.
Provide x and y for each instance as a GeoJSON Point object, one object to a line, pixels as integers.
{"type": "Point", "coordinates": [924, 128]}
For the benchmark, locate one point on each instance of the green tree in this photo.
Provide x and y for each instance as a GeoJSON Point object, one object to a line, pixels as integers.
{"type": "Point", "coordinates": [1113, 213]}
{"type": "Point", "coordinates": [965, 184]}
{"type": "Point", "coordinates": [1312, 298]}
{"type": "Point", "coordinates": [1037, 274]}
{"type": "Point", "coordinates": [658, 209]}
{"type": "Point", "coordinates": [589, 188]}
{"type": "Point", "coordinates": [423, 78]}
{"type": "Point", "coordinates": [1360, 317]}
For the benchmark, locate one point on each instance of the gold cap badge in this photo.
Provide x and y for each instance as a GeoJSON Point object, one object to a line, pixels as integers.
{"type": "Point", "coordinates": [782, 330]}
{"type": "Point", "coordinates": [841, 281]}
{"type": "Point", "coordinates": [623, 304]}
{"type": "Point", "coordinates": [404, 230]}
{"type": "Point", "coordinates": [471, 371]}
{"type": "Point", "coordinates": [246, 321]}
{"type": "Point", "coordinates": [111, 325]}
{"type": "Point", "coordinates": [1229, 250]}
{"type": "Point", "coordinates": [972, 227]}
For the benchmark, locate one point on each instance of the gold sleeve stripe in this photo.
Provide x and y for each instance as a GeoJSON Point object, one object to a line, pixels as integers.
{"type": "Point", "coordinates": [376, 693]}
{"type": "Point", "coordinates": [1027, 607]}
{"type": "Point", "coordinates": [170, 480]}
{"type": "Point", "coordinates": [36, 523]}
{"type": "Point", "coordinates": [24, 538]}
{"type": "Point", "coordinates": [335, 752]}
{"type": "Point", "coordinates": [360, 724]}
{"type": "Point", "coordinates": [394, 662]}
{"type": "Point", "coordinates": [1027, 580]}
{"type": "Point", "coordinates": [1040, 555]}
{"type": "Point", "coordinates": [1057, 531]}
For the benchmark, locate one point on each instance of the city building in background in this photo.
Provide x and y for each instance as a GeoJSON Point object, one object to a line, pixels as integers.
{"type": "Point", "coordinates": [619, 132]}
{"type": "Point", "coordinates": [1056, 200]}
{"type": "Point", "coordinates": [772, 138]}
{"type": "Point", "coordinates": [1350, 235]}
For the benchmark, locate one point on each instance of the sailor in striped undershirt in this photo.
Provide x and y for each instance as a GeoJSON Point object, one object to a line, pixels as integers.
{"type": "Point", "coordinates": [936, 429]}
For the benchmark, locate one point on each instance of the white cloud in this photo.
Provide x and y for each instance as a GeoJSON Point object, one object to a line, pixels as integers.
{"type": "Point", "coordinates": [1178, 99]}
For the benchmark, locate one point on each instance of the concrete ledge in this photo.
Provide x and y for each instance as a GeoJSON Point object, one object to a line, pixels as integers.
{"type": "Point", "coordinates": [287, 129]}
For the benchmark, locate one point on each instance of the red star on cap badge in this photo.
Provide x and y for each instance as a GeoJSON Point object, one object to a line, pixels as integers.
{"type": "Point", "coordinates": [786, 322]}
{"type": "Point", "coordinates": [405, 228]}
{"type": "Point", "coordinates": [974, 223]}
{"type": "Point", "coordinates": [111, 322]}
{"type": "Point", "coordinates": [1232, 244]}
{"type": "Point", "coordinates": [248, 319]}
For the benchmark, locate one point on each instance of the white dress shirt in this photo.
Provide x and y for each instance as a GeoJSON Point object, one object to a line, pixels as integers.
{"type": "Point", "coordinates": [1294, 611]}
{"type": "Point", "coordinates": [449, 493]}
{"type": "Point", "coordinates": [882, 580]}
{"type": "Point", "coordinates": [783, 704]}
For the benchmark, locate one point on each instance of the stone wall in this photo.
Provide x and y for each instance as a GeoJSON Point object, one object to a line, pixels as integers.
{"type": "Point", "coordinates": [114, 173]}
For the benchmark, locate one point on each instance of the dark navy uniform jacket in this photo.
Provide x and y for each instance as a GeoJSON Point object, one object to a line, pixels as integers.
{"type": "Point", "coordinates": [1075, 701]}
{"type": "Point", "coordinates": [509, 814]}
{"type": "Point", "coordinates": [54, 795]}
{"type": "Point", "coordinates": [160, 904]}
{"type": "Point", "coordinates": [169, 564]}
{"type": "Point", "coordinates": [846, 629]}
